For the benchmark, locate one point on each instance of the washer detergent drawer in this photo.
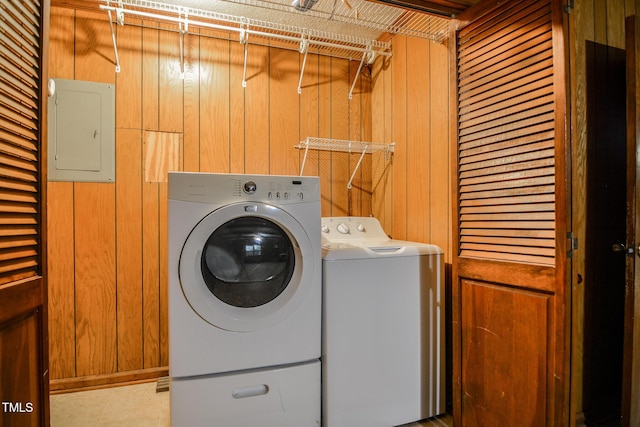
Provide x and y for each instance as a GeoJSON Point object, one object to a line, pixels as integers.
{"type": "Point", "coordinates": [281, 397]}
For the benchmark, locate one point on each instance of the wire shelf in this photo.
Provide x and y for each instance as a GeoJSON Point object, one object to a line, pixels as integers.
{"type": "Point", "coordinates": [345, 146]}
{"type": "Point", "coordinates": [342, 28]}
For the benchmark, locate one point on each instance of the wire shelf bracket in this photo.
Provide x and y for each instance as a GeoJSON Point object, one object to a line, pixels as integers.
{"type": "Point", "coordinates": [120, 20]}
{"type": "Point", "coordinates": [304, 49]}
{"type": "Point", "coordinates": [369, 57]}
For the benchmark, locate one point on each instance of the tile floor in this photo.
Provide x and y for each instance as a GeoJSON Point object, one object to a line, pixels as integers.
{"type": "Point", "coordinates": [135, 406]}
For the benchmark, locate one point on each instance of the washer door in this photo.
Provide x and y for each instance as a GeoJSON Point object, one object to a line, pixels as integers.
{"type": "Point", "coordinates": [246, 267]}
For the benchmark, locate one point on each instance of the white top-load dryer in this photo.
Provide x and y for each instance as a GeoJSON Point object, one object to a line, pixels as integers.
{"type": "Point", "coordinates": [383, 326]}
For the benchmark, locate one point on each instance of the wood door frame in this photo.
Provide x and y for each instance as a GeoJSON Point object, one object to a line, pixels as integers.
{"type": "Point", "coordinates": [631, 370]}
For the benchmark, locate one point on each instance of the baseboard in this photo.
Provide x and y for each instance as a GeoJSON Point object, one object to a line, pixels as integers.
{"type": "Point", "coordinates": [92, 382]}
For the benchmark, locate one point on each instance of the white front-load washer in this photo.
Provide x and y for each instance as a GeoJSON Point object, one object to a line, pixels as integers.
{"type": "Point", "coordinates": [244, 299]}
{"type": "Point", "coordinates": [383, 326]}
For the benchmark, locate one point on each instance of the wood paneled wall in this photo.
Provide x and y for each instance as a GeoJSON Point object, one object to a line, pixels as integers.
{"type": "Point", "coordinates": [413, 93]}
{"type": "Point", "coordinates": [108, 242]}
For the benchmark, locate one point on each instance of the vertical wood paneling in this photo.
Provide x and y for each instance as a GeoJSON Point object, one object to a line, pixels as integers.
{"type": "Point", "coordinates": [309, 112]}
{"type": "Point", "coordinates": [170, 83]}
{"type": "Point", "coordinates": [389, 174]}
{"type": "Point", "coordinates": [284, 105]}
{"type": "Point", "coordinates": [162, 153]}
{"type": "Point", "coordinates": [171, 119]}
{"type": "Point", "coordinates": [151, 275]}
{"type": "Point", "coordinates": [600, 21]}
{"type": "Point", "coordinates": [192, 85]}
{"type": "Point", "coordinates": [60, 259]}
{"type": "Point", "coordinates": [163, 290]}
{"type": "Point", "coordinates": [129, 79]}
{"type": "Point", "coordinates": [150, 71]}
{"type": "Point", "coordinates": [418, 132]}
{"type": "Point", "coordinates": [225, 128]}
{"type": "Point", "coordinates": [366, 134]}
{"type": "Point", "coordinates": [61, 43]}
{"type": "Point", "coordinates": [354, 206]}
{"type": "Point", "coordinates": [237, 109]}
{"type": "Point", "coordinates": [61, 280]}
{"type": "Point", "coordinates": [214, 105]}
{"type": "Point", "coordinates": [399, 136]}
{"type": "Point", "coordinates": [615, 24]}
{"type": "Point", "coordinates": [339, 130]}
{"type": "Point", "coordinates": [440, 187]}
{"type": "Point", "coordinates": [324, 121]}
{"type": "Point", "coordinates": [382, 168]}
{"type": "Point", "coordinates": [94, 222]}
{"type": "Point", "coordinates": [95, 275]}
{"type": "Point", "coordinates": [378, 134]}
{"type": "Point", "coordinates": [150, 209]}
{"type": "Point", "coordinates": [256, 113]}
{"type": "Point", "coordinates": [94, 59]}
{"type": "Point", "coordinates": [129, 249]}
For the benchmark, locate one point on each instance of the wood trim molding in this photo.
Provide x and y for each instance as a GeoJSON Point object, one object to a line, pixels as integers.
{"type": "Point", "coordinates": [93, 382]}
{"type": "Point", "coordinates": [89, 5]}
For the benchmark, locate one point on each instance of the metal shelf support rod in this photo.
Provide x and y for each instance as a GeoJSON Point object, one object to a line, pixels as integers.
{"type": "Point", "coordinates": [364, 151]}
{"type": "Point", "coordinates": [304, 48]}
{"type": "Point", "coordinates": [304, 159]}
{"type": "Point", "coordinates": [120, 18]}
{"type": "Point", "coordinates": [244, 39]}
{"type": "Point", "coordinates": [183, 26]}
{"type": "Point", "coordinates": [368, 56]}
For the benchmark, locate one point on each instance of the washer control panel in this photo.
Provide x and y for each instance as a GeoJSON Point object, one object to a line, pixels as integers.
{"type": "Point", "coordinates": [352, 229]}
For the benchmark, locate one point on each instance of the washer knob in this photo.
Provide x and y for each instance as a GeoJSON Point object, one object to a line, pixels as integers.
{"type": "Point", "coordinates": [343, 228]}
{"type": "Point", "coordinates": [360, 227]}
{"type": "Point", "coordinates": [325, 229]}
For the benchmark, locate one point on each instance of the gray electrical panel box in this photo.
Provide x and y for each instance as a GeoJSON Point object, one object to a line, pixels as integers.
{"type": "Point", "coordinates": [81, 131]}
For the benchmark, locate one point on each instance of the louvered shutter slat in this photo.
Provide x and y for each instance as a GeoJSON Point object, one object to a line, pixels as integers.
{"type": "Point", "coordinates": [506, 174]}
{"type": "Point", "coordinates": [20, 117]}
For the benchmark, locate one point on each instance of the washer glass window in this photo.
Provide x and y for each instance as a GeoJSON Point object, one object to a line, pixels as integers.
{"type": "Point", "coordinates": [248, 261]}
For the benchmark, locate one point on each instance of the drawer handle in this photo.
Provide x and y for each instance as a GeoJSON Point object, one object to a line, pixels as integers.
{"type": "Point", "coordinates": [256, 390]}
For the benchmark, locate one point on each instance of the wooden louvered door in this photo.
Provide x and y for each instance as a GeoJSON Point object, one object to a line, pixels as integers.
{"type": "Point", "coordinates": [23, 296]}
{"type": "Point", "coordinates": [509, 285]}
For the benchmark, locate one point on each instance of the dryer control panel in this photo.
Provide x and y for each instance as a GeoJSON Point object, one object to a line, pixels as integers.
{"type": "Point", "coordinates": [231, 188]}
